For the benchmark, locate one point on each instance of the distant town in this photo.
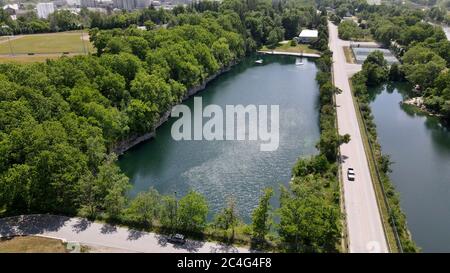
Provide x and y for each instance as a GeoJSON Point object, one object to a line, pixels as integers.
{"type": "Point", "coordinates": [44, 9]}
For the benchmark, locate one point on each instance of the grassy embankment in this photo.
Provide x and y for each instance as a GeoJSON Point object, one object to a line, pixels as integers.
{"type": "Point", "coordinates": [287, 47]}
{"type": "Point", "coordinates": [349, 58]}
{"type": "Point", "coordinates": [31, 244]}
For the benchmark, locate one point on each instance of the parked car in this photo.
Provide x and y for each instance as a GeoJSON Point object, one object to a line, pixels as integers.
{"type": "Point", "coordinates": [351, 174]}
{"type": "Point", "coordinates": [177, 239]}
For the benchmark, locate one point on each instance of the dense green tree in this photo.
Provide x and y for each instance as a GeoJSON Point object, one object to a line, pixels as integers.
{"type": "Point", "coordinates": [221, 51]}
{"type": "Point", "coordinates": [349, 30]}
{"type": "Point", "coordinates": [169, 206]}
{"type": "Point", "coordinates": [62, 20]}
{"type": "Point", "coordinates": [375, 68]}
{"type": "Point", "coordinates": [261, 216]}
{"type": "Point", "coordinates": [192, 211]}
{"type": "Point", "coordinates": [113, 185]}
{"type": "Point", "coordinates": [145, 207]}
{"type": "Point", "coordinates": [228, 218]}
{"type": "Point", "coordinates": [309, 224]}
{"type": "Point", "coordinates": [141, 116]}
{"type": "Point", "coordinates": [421, 65]}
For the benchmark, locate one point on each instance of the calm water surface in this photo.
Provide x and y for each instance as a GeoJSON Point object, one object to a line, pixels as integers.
{"type": "Point", "coordinates": [220, 169]}
{"type": "Point", "coordinates": [420, 148]}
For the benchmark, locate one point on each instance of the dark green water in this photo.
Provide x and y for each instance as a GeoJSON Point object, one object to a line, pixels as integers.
{"type": "Point", "coordinates": [420, 148]}
{"type": "Point", "coordinates": [220, 169]}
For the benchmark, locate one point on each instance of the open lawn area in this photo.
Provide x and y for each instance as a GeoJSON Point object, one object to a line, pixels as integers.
{"type": "Point", "coordinates": [31, 244]}
{"type": "Point", "coordinates": [73, 42]}
{"type": "Point", "coordinates": [286, 47]}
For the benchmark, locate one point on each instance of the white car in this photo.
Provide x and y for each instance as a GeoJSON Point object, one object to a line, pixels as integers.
{"type": "Point", "coordinates": [351, 174]}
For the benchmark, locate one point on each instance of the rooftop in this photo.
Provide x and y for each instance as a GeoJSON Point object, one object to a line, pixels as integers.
{"type": "Point", "coordinates": [309, 33]}
{"type": "Point", "coordinates": [11, 6]}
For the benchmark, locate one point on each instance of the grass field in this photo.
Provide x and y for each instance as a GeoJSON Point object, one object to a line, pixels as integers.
{"type": "Point", "coordinates": [286, 47]}
{"type": "Point", "coordinates": [49, 43]}
{"type": "Point", "coordinates": [31, 244]}
{"type": "Point", "coordinates": [349, 55]}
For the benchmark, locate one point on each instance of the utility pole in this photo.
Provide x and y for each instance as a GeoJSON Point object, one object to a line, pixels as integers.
{"type": "Point", "coordinates": [175, 212]}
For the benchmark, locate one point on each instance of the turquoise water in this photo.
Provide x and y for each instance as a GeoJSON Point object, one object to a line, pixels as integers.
{"type": "Point", "coordinates": [238, 169]}
{"type": "Point", "coordinates": [419, 146]}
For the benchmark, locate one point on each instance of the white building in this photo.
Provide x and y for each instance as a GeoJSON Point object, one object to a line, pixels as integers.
{"type": "Point", "coordinates": [45, 9]}
{"type": "Point", "coordinates": [11, 10]}
{"type": "Point", "coordinates": [308, 36]}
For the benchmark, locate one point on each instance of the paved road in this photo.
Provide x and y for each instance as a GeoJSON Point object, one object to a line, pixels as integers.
{"type": "Point", "coordinates": [364, 225]}
{"type": "Point", "coordinates": [99, 234]}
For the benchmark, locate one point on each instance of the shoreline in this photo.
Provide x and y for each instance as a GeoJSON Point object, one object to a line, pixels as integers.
{"type": "Point", "coordinates": [272, 52]}
{"type": "Point", "coordinates": [124, 145]}
{"type": "Point", "coordinates": [418, 103]}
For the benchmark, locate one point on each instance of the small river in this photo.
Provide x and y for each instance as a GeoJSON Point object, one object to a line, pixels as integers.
{"type": "Point", "coordinates": [238, 169]}
{"type": "Point", "coordinates": [419, 146]}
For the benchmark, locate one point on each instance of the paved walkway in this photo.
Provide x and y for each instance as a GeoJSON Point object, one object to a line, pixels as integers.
{"type": "Point", "coordinates": [364, 226]}
{"type": "Point", "coordinates": [100, 234]}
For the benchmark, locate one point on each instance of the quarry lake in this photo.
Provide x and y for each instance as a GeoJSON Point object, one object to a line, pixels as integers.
{"type": "Point", "coordinates": [238, 169]}
{"type": "Point", "coordinates": [419, 146]}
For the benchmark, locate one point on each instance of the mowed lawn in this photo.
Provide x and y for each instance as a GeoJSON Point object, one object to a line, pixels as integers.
{"type": "Point", "coordinates": [287, 47]}
{"type": "Point", "coordinates": [50, 43]}
{"type": "Point", "coordinates": [31, 244]}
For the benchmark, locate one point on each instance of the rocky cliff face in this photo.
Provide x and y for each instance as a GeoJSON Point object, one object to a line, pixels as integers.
{"type": "Point", "coordinates": [124, 145]}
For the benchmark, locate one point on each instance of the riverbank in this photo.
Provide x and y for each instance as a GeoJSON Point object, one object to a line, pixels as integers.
{"type": "Point", "coordinates": [418, 103]}
{"type": "Point", "coordinates": [124, 145]}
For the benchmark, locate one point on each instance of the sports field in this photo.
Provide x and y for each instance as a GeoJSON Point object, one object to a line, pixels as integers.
{"type": "Point", "coordinates": [49, 43]}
